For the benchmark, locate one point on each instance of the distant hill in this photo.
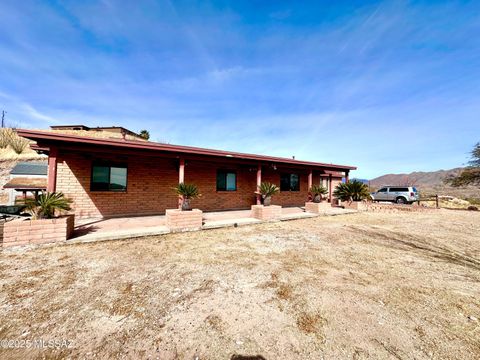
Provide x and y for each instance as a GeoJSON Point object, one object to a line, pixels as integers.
{"type": "Point", "coordinates": [428, 183]}
{"type": "Point", "coordinates": [418, 178]}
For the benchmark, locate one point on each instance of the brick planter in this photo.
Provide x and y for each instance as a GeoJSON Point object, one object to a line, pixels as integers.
{"type": "Point", "coordinates": [35, 232]}
{"type": "Point", "coordinates": [261, 212]}
{"type": "Point", "coordinates": [317, 208]}
{"type": "Point", "coordinates": [178, 220]}
{"type": "Point", "coordinates": [355, 205]}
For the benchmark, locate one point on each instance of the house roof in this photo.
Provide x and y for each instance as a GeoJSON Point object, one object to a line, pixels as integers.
{"type": "Point", "coordinates": [30, 168]}
{"type": "Point", "coordinates": [26, 183]}
{"type": "Point", "coordinates": [43, 137]}
{"type": "Point", "coordinates": [98, 128]}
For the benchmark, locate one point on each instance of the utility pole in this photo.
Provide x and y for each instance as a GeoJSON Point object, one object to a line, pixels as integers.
{"type": "Point", "coordinates": [3, 118]}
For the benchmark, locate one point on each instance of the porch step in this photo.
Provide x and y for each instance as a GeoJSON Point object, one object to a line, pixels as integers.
{"type": "Point", "coordinates": [295, 216]}
{"type": "Point", "coordinates": [215, 224]}
{"type": "Point", "coordinates": [119, 234]}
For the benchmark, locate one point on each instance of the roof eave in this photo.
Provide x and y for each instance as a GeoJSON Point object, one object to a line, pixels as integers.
{"type": "Point", "coordinates": [49, 136]}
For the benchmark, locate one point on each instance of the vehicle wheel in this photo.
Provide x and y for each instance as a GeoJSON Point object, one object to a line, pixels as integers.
{"type": "Point", "coordinates": [401, 200]}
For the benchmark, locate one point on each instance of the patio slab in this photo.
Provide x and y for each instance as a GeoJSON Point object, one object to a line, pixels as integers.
{"type": "Point", "coordinates": [89, 230]}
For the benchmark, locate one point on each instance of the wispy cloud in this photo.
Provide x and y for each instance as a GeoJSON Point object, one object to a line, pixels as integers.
{"type": "Point", "coordinates": [327, 82]}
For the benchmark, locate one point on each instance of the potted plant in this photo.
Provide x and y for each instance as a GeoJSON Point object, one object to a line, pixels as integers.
{"type": "Point", "coordinates": [44, 205]}
{"type": "Point", "coordinates": [352, 192]}
{"type": "Point", "coordinates": [46, 226]}
{"type": "Point", "coordinates": [184, 218]}
{"type": "Point", "coordinates": [267, 190]}
{"type": "Point", "coordinates": [187, 192]}
{"type": "Point", "coordinates": [317, 192]}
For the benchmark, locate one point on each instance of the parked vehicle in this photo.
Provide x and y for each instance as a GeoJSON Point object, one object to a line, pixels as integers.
{"type": "Point", "coordinates": [397, 194]}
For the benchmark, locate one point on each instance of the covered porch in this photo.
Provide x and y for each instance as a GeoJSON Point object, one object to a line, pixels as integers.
{"type": "Point", "coordinates": [100, 229]}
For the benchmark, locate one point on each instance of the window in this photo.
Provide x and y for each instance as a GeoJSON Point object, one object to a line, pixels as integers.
{"type": "Point", "coordinates": [398, 189]}
{"type": "Point", "coordinates": [289, 182]}
{"type": "Point", "coordinates": [109, 177]}
{"type": "Point", "coordinates": [383, 190]}
{"type": "Point", "coordinates": [226, 180]}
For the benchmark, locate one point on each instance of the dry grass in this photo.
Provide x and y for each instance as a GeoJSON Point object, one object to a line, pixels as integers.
{"type": "Point", "coordinates": [359, 286]}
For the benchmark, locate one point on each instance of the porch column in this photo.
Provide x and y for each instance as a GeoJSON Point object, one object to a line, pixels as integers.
{"type": "Point", "coordinates": [347, 178]}
{"type": "Point", "coordinates": [181, 178]}
{"type": "Point", "coordinates": [330, 187]}
{"type": "Point", "coordinates": [259, 182]}
{"type": "Point", "coordinates": [52, 169]}
{"type": "Point", "coordinates": [181, 171]}
{"type": "Point", "coordinates": [310, 179]}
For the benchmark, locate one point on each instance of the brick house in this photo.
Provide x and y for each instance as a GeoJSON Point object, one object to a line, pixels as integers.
{"type": "Point", "coordinates": [121, 177]}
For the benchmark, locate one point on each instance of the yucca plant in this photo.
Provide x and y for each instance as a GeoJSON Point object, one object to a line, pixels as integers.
{"type": "Point", "coordinates": [267, 190]}
{"type": "Point", "coordinates": [44, 205]}
{"type": "Point", "coordinates": [352, 191]}
{"type": "Point", "coordinates": [187, 192]}
{"type": "Point", "coordinates": [317, 191]}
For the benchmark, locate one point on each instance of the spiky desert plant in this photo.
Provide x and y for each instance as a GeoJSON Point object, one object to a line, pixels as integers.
{"type": "Point", "coordinates": [44, 205]}
{"type": "Point", "coordinates": [352, 191]}
{"type": "Point", "coordinates": [18, 143]}
{"type": "Point", "coordinates": [267, 190]}
{"type": "Point", "coordinates": [317, 191]}
{"type": "Point", "coordinates": [187, 192]}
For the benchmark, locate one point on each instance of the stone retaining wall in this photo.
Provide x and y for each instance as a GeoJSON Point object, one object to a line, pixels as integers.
{"type": "Point", "coordinates": [271, 212]}
{"type": "Point", "coordinates": [33, 232]}
{"type": "Point", "coordinates": [317, 208]}
{"type": "Point", "coordinates": [177, 220]}
{"type": "Point", "coordinates": [374, 207]}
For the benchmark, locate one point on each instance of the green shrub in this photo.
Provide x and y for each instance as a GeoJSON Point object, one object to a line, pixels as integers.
{"type": "Point", "coordinates": [352, 191]}
{"type": "Point", "coordinates": [267, 189]}
{"type": "Point", "coordinates": [46, 204]}
{"type": "Point", "coordinates": [317, 192]}
{"type": "Point", "coordinates": [187, 192]}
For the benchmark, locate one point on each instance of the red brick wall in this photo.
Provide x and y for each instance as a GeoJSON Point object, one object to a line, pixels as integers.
{"type": "Point", "coordinates": [28, 232]}
{"type": "Point", "coordinates": [204, 175]}
{"type": "Point", "coordinates": [150, 181]}
{"type": "Point", "coordinates": [288, 198]}
{"type": "Point", "coordinates": [149, 186]}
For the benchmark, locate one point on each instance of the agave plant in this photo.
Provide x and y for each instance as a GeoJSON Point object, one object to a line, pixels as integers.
{"type": "Point", "coordinates": [186, 192]}
{"type": "Point", "coordinates": [267, 190]}
{"type": "Point", "coordinates": [44, 205]}
{"type": "Point", "coordinates": [317, 191]}
{"type": "Point", "coordinates": [352, 191]}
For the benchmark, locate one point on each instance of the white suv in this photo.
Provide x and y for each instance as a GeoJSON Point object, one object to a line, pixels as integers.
{"type": "Point", "coordinates": [397, 194]}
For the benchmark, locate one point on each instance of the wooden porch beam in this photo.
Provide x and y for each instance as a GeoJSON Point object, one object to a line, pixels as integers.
{"type": "Point", "coordinates": [259, 182]}
{"type": "Point", "coordinates": [52, 169]}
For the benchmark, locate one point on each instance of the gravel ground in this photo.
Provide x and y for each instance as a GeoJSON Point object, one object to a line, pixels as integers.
{"type": "Point", "coordinates": [370, 285]}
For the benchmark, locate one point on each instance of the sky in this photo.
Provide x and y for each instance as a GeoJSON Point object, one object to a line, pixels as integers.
{"type": "Point", "coordinates": [390, 87]}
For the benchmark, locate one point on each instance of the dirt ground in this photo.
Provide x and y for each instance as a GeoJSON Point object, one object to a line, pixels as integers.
{"type": "Point", "coordinates": [359, 286]}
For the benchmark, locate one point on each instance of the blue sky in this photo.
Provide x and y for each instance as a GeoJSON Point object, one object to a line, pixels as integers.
{"type": "Point", "coordinates": [387, 86]}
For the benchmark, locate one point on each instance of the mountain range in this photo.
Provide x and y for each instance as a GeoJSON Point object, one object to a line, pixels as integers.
{"type": "Point", "coordinates": [417, 178]}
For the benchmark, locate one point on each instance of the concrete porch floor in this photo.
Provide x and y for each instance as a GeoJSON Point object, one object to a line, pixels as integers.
{"type": "Point", "coordinates": [97, 229]}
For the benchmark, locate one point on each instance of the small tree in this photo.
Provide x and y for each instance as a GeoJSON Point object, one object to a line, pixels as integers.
{"type": "Point", "coordinates": [145, 134]}
{"type": "Point", "coordinates": [186, 192]}
{"type": "Point", "coordinates": [44, 205]}
{"type": "Point", "coordinates": [352, 191]}
{"type": "Point", "coordinates": [471, 174]}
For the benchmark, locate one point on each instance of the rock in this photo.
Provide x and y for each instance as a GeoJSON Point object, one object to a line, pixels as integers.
{"type": "Point", "coordinates": [472, 318]}
{"type": "Point", "coordinates": [472, 208]}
